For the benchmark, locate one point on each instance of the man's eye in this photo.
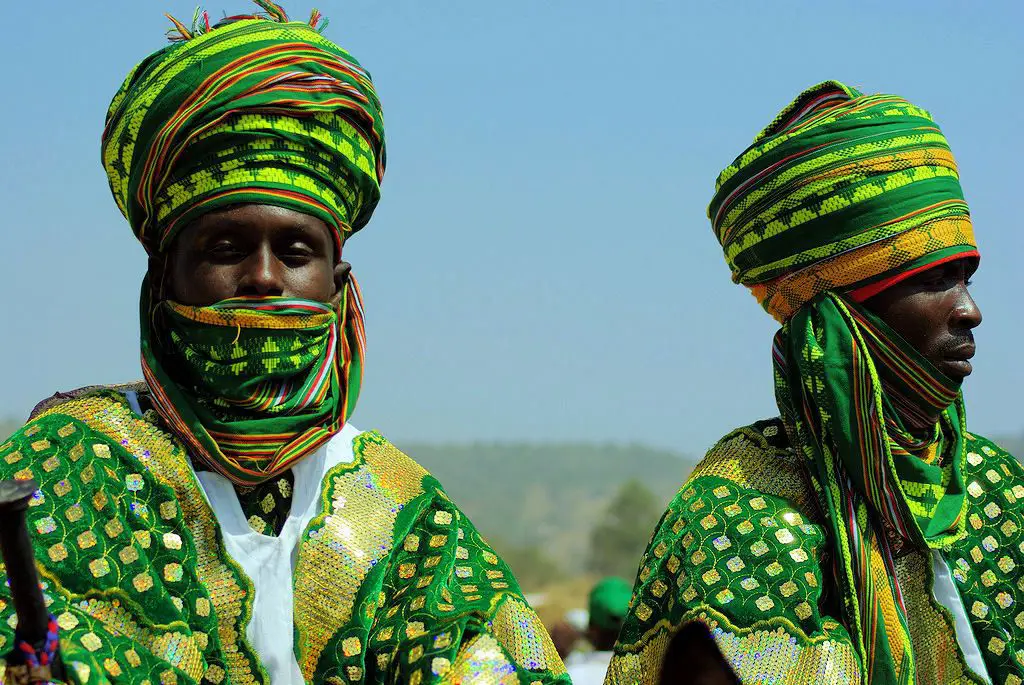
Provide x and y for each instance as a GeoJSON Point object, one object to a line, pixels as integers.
{"type": "Point", "coordinates": [223, 249]}
{"type": "Point", "coordinates": [297, 251]}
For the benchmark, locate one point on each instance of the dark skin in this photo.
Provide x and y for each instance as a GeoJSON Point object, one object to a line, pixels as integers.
{"type": "Point", "coordinates": [251, 249]}
{"type": "Point", "coordinates": [935, 313]}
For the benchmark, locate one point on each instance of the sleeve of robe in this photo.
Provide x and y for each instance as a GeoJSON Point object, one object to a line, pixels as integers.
{"type": "Point", "coordinates": [391, 581]}
{"type": "Point", "coordinates": [740, 549]}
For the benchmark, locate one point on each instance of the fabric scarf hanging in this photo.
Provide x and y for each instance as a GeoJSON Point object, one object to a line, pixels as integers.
{"type": "Point", "coordinates": [252, 384]}
{"type": "Point", "coordinates": [840, 376]}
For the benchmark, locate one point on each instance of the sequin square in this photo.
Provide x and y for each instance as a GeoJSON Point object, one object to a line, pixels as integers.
{"type": "Point", "coordinates": [749, 583]}
{"type": "Point", "coordinates": [58, 552]}
{"type": "Point", "coordinates": [764, 603]}
{"type": "Point", "coordinates": [721, 491]}
{"type": "Point", "coordinates": [128, 555]}
{"type": "Point", "coordinates": [87, 540]}
{"type": "Point", "coordinates": [759, 548]}
{"type": "Point", "coordinates": [744, 527]}
{"type": "Point", "coordinates": [658, 588]}
{"type": "Point", "coordinates": [722, 542]}
{"type": "Point", "coordinates": [168, 510]}
{"type": "Point", "coordinates": [708, 521]}
{"type": "Point", "coordinates": [351, 646]}
{"type": "Point", "coordinates": [773, 569]}
{"type": "Point", "coordinates": [784, 536]}
{"type": "Point", "coordinates": [798, 555]}
{"type": "Point", "coordinates": [442, 518]}
{"type": "Point", "coordinates": [803, 610]}
{"type": "Point", "coordinates": [989, 543]}
{"type": "Point", "coordinates": [99, 567]}
{"type": "Point", "coordinates": [992, 510]}
{"type": "Point", "coordinates": [725, 596]}
{"type": "Point", "coordinates": [757, 503]}
{"type": "Point", "coordinates": [46, 525]}
{"type": "Point", "coordinates": [711, 576]}
{"type": "Point", "coordinates": [735, 564]}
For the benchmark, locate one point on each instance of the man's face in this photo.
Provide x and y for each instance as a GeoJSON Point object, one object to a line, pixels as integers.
{"type": "Point", "coordinates": [253, 250]}
{"type": "Point", "coordinates": [935, 313]}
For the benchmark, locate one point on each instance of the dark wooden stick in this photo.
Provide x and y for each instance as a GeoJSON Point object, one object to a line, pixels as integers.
{"type": "Point", "coordinates": [19, 559]}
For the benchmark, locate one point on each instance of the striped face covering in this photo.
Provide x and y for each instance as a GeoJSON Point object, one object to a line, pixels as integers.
{"type": "Point", "coordinates": [254, 383]}
{"type": "Point", "coordinates": [841, 196]}
{"type": "Point", "coordinates": [254, 110]}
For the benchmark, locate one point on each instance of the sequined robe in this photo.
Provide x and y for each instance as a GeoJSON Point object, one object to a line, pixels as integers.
{"type": "Point", "coordinates": [392, 582]}
{"type": "Point", "coordinates": [744, 548]}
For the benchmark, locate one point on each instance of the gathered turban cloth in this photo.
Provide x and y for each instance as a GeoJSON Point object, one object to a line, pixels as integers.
{"type": "Point", "coordinates": [260, 110]}
{"type": "Point", "coordinates": [841, 190]}
{"type": "Point", "coordinates": [806, 543]}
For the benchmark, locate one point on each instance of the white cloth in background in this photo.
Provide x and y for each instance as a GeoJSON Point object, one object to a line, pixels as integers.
{"type": "Point", "coordinates": [588, 668]}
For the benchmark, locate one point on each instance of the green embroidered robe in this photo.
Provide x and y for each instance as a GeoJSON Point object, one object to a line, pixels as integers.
{"type": "Point", "coordinates": [392, 583]}
{"type": "Point", "coordinates": [743, 547]}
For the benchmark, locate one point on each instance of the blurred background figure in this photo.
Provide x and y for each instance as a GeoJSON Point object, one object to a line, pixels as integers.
{"type": "Point", "coordinates": [606, 606]}
{"type": "Point", "coordinates": [565, 636]}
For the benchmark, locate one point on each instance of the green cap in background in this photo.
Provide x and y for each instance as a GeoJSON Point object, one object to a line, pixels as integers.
{"type": "Point", "coordinates": [608, 602]}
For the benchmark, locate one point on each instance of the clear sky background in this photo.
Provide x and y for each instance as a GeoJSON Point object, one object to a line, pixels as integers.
{"type": "Point", "coordinates": [540, 266]}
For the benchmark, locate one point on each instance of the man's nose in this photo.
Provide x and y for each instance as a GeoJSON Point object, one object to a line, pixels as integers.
{"type": "Point", "coordinates": [966, 313]}
{"type": "Point", "coordinates": [263, 274]}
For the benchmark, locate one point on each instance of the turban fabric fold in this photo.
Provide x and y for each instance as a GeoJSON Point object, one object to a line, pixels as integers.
{"type": "Point", "coordinates": [842, 189]}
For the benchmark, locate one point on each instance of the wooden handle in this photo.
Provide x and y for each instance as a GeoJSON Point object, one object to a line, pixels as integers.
{"type": "Point", "coordinates": [19, 559]}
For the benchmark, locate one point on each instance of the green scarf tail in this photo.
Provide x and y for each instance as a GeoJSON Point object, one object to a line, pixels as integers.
{"type": "Point", "coordinates": [840, 374]}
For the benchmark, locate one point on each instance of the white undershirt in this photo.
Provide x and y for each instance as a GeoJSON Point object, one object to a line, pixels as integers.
{"type": "Point", "coordinates": [946, 594]}
{"type": "Point", "coordinates": [269, 562]}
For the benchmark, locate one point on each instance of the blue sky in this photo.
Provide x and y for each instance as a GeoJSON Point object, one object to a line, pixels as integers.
{"type": "Point", "coordinates": [540, 266]}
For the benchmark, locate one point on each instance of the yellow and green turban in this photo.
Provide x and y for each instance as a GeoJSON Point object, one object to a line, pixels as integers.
{"type": "Point", "coordinates": [841, 190]}
{"type": "Point", "coordinates": [256, 110]}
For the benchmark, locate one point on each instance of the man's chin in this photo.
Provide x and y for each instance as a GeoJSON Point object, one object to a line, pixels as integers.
{"type": "Point", "coordinates": [957, 369]}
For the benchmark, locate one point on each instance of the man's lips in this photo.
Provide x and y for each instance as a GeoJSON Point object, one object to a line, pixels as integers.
{"type": "Point", "coordinates": [961, 353]}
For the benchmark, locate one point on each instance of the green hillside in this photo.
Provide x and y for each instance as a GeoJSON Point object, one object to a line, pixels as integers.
{"type": "Point", "coordinates": [547, 495]}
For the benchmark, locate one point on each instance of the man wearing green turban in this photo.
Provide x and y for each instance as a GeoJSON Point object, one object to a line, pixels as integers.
{"type": "Point", "coordinates": [863, 535]}
{"type": "Point", "coordinates": [222, 522]}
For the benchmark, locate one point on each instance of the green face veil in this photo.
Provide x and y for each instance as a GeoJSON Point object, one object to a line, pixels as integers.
{"type": "Point", "coordinates": [255, 110]}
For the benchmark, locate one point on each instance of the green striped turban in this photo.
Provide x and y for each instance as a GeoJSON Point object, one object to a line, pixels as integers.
{"type": "Point", "coordinates": [842, 191]}
{"type": "Point", "coordinates": [256, 110]}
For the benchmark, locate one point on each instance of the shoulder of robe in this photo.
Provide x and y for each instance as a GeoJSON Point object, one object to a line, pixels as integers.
{"type": "Point", "coordinates": [63, 426]}
{"type": "Point", "coordinates": [741, 544]}
{"type": "Point", "coordinates": [60, 397]}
